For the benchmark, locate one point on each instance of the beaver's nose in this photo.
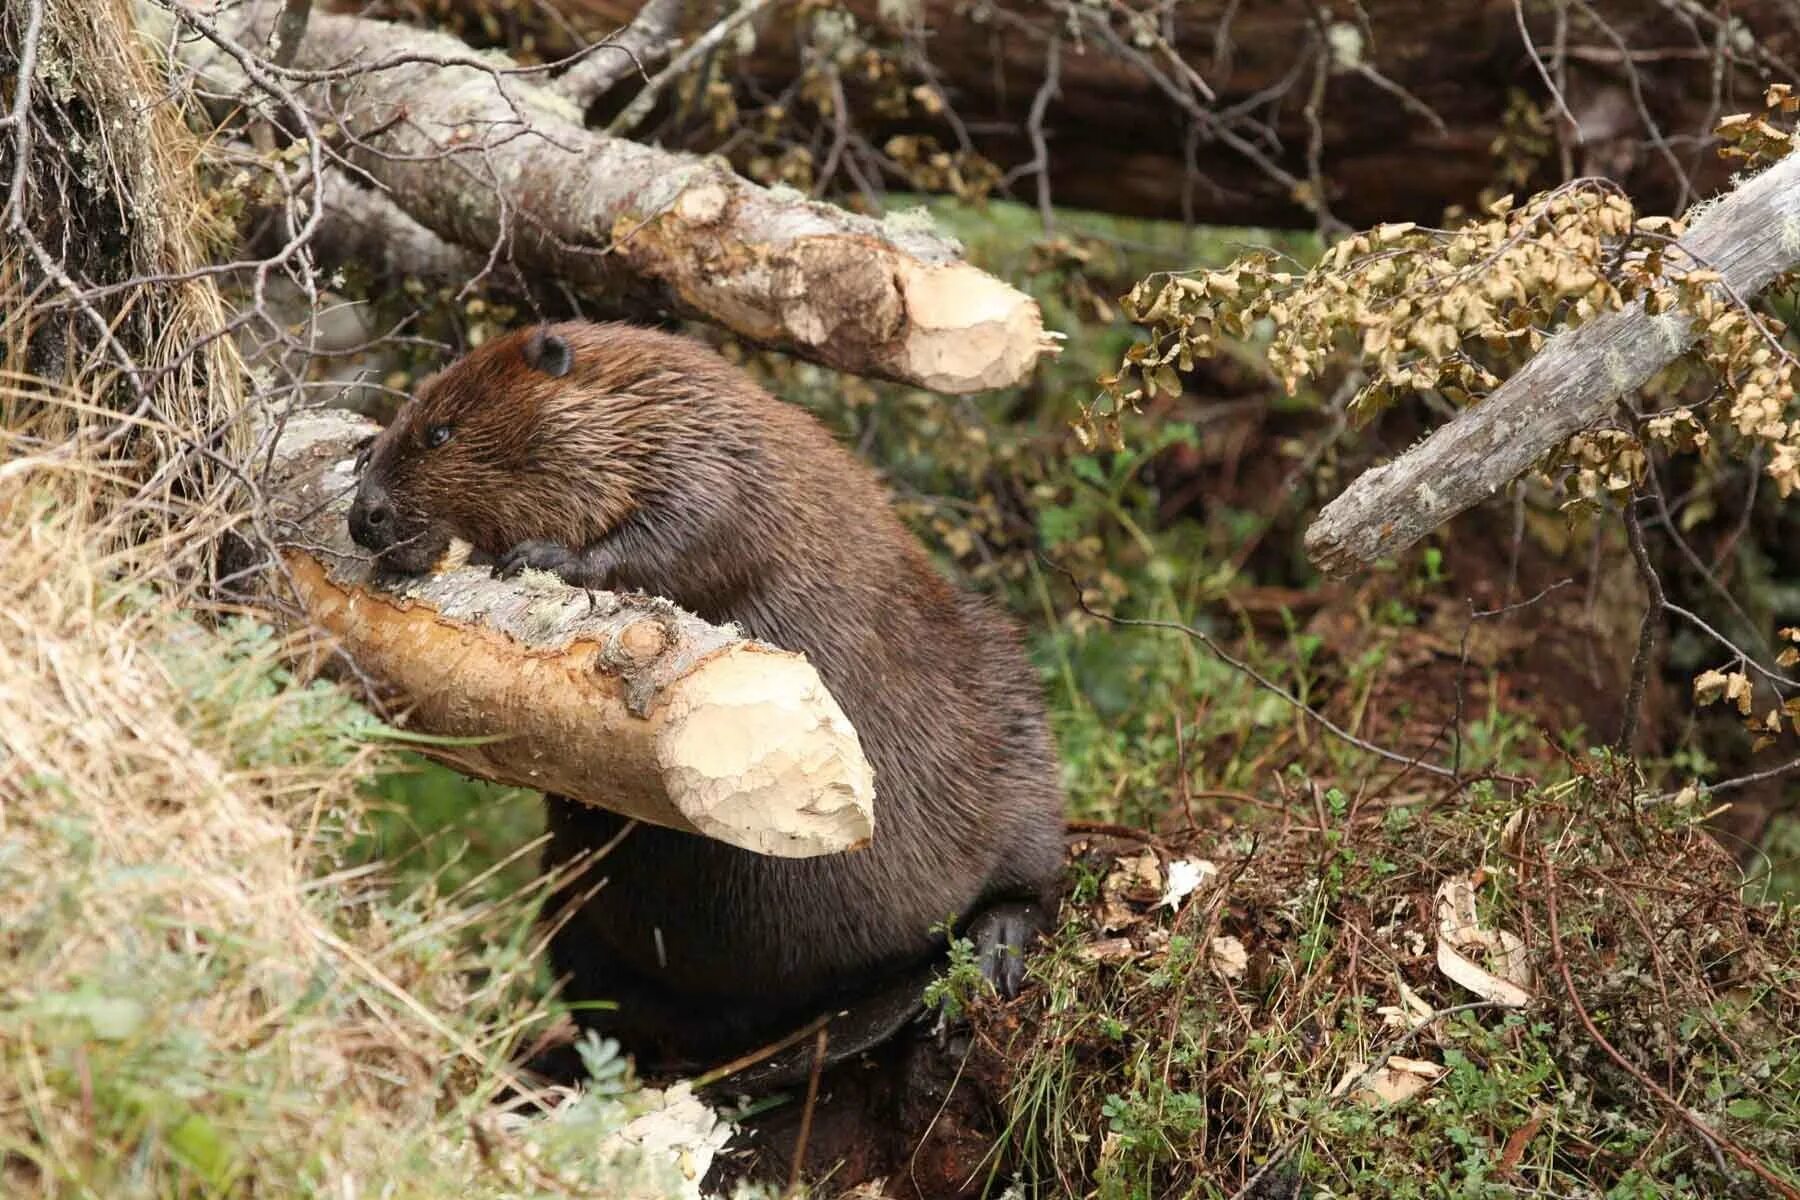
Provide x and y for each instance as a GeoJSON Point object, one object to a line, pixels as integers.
{"type": "Point", "coordinates": [372, 518]}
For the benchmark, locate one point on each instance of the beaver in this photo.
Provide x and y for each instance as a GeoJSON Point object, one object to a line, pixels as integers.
{"type": "Point", "coordinates": [632, 460]}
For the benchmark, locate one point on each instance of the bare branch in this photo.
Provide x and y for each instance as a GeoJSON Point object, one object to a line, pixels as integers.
{"type": "Point", "coordinates": [634, 113]}
{"type": "Point", "coordinates": [362, 225]}
{"type": "Point", "coordinates": [643, 43]}
{"type": "Point", "coordinates": [1640, 661]}
{"type": "Point", "coordinates": [289, 30]}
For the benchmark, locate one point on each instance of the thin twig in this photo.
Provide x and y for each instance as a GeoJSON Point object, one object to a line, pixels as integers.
{"type": "Point", "coordinates": [1640, 661]}
{"type": "Point", "coordinates": [647, 40]}
{"type": "Point", "coordinates": [633, 114]}
{"type": "Point", "coordinates": [1034, 125]}
{"type": "Point", "coordinates": [1544, 72]}
{"type": "Point", "coordinates": [797, 1172]}
{"type": "Point", "coordinates": [1674, 1106]}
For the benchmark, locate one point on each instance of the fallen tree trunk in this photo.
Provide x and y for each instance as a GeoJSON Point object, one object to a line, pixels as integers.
{"type": "Point", "coordinates": [1405, 101]}
{"type": "Point", "coordinates": [1749, 237]}
{"type": "Point", "coordinates": [624, 702]}
{"type": "Point", "coordinates": [485, 159]}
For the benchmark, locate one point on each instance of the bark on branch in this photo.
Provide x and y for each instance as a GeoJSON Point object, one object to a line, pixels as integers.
{"type": "Point", "coordinates": [1749, 236]}
{"type": "Point", "coordinates": [643, 43]}
{"type": "Point", "coordinates": [486, 159]}
{"type": "Point", "coordinates": [625, 702]}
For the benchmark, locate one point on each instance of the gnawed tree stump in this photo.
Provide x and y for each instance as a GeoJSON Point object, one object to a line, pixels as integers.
{"type": "Point", "coordinates": [621, 701]}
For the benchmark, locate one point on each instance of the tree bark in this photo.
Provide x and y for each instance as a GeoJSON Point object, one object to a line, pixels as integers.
{"type": "Point", "coordinates": [624, 702]}
{"type": "Point", "coordinates": [1749, 237]}
{"type": "Point", "coordinates": [1411, 96]}
{"type": "Point", "coordinates": [487, 161]}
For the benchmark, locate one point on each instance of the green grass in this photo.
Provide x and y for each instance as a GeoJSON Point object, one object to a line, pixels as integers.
{"type": "Point", "coordinates": [209, 986]}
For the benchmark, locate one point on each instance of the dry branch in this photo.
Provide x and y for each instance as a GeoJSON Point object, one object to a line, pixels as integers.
{"type": "Point", "coordinates": [643, 43]}
{"type": "Point", "coordinates": [489, 159]}
{"type": "Point", "coordinates": [1415, 95]}
{"type": "Point", "coordinates": [625, 702]}
{"type": "Point", "coordinates": [359, 225]}
{"type": "Point", "coordinates": [1749, 236]}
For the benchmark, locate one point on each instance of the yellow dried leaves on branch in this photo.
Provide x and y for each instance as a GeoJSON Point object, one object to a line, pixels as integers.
{"type": "Point", "coordinates": [1456, 311]}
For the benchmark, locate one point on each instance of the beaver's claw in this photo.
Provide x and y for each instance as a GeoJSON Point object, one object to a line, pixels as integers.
{"type": "Point", "coordinates": [1001, 935]}
{"type": "Point", "coordinates": [553, 557]}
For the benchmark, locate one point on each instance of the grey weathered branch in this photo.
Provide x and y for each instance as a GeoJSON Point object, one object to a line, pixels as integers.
{"type": "Point", "coordinates": [362, 225]}
{"type": "Point", "coordinates": [644, 43]}
{"type": "Point", "coordinates": [483, 156]}
{"type": "Point", "coordinates": [625, 702]}
{"type": "Point", "coordinates": [1749, 236]}
{"type": "Point", "coordinates": [634, 113]}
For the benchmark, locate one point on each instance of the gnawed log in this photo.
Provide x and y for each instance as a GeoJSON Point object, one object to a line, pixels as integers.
{"type": "Point", "coordinates": [624, 702]}
{"type": "Point", "coordinates": [1749, 237]}
{"type": "Point", "coordinates": [485, 159]}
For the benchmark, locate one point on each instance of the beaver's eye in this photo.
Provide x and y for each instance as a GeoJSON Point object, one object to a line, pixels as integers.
{"type": "Point", "coordinates": [436, 436]}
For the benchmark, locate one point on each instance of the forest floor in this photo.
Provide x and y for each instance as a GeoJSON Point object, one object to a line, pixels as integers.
{"type": "Point", "coordinates": [1339, 975]}
{"type": "Point", "coordinates": [250, 945]}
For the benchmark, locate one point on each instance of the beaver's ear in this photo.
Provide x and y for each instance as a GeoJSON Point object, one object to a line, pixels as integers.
{"type": "Point", "coordinates": [548, 353]}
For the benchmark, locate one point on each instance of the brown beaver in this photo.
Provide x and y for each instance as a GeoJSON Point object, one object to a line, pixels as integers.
{"type": "Point", "coordinates": [630, 460]}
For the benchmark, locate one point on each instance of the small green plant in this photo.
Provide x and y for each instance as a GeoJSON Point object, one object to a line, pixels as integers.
{"type": "Point", "coordinates": [953, 992]}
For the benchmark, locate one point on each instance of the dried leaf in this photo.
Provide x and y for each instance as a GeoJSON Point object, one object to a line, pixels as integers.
{"type": "Point", "coordinates": [1510, 981]}
{"type": "Point", "coordinates": [1396, 1080]}
{"type": "Point", "coordinates": [1229, 959]}
{"type": "Point", "coordinates": [1108, 950]}
{"type": "Point", "coordinates": [1185, 875]}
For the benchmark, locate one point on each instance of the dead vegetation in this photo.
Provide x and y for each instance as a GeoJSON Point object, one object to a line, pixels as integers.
{"type": "Point", "coordinates": [207, 987]}
{"type": "Point", "coordinates": [1410, 994]}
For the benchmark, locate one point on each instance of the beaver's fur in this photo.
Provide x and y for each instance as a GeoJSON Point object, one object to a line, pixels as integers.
{"type": "Point", "coordinates": [638, 461]}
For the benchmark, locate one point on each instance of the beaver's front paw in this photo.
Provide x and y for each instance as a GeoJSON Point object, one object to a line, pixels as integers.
{"type": "Point", "coordinates": [539, 555]}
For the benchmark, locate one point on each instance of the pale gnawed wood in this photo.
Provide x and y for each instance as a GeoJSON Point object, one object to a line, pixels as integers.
{"type": "Point", "coordinates": [625, 702]}
{"type": "Point", "coordinates": [1749, 236]}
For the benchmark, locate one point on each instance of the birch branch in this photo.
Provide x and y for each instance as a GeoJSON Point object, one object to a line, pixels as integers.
{"type": "Point", "coordinates": [623, 702]}
{"type": "Point", "coordinates": [645, 42]}
{"type": "Point", "coordinates": [489, 159]}
{"type": "Point", "coordinates": [1749, 236]}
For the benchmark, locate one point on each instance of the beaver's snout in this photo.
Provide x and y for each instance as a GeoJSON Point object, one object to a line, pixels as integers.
{"type": "Point", "coordinates": [372, 521]}
{"type": "Point", "coordinates": [399, 543]}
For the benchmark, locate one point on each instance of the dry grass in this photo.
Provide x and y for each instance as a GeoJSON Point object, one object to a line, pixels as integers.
{"type": "Point", "coordinates": [206, 989]}
{"type": "Point", "coordinates": [200, 993]}
{"type": "Point", "coordinates": [112, 196]}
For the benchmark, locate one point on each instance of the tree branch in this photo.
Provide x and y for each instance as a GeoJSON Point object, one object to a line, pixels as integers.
{"type": "Point", "coordinates": [483, 157]}
{"type": "Point", "coordinates": [1749, 236]}
{"type": "Point", "coordinates": [624, 702]}
{"type": "Point", "coordinates": [361, 225]}
{"type": "Point", "coordinates": [646, 41]}
{"type": "Point", "coordinates": [634, 113]}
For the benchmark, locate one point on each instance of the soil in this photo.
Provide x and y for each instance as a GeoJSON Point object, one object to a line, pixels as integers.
{"type": "Point", "coordinates": [917, 1120]}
